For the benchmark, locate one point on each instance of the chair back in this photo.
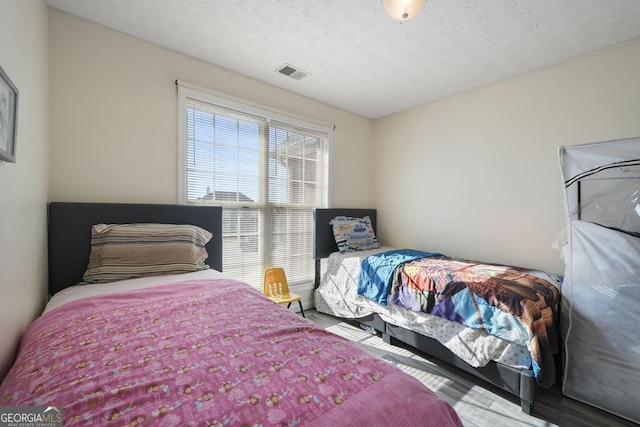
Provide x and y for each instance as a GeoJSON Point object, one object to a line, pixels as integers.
{"type": "Point", "coordinates": [275, 283]}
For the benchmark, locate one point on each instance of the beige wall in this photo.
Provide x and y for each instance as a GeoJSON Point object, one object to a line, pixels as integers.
{"type": "Point", "coordinates": [478, 173]}
{"type": "Point", "coordinates": [477, 176]}
{"type": "Point", "coordinates": [114, 118]}
{"type": "Point", "coordinates": [23, 197]}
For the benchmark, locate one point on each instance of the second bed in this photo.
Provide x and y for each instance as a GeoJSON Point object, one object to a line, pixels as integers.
{"type": "Point", "coordinates": [495, 322]}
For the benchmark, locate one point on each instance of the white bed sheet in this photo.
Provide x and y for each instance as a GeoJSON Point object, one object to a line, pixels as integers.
{"type": "Point", "coordinates": [337, 295]}
{"type": "Point", "coordinates": [77, 292]}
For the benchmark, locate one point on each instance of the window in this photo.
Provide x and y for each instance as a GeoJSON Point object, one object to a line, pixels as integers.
{"type": "Point", "coordinates": [268, 172]}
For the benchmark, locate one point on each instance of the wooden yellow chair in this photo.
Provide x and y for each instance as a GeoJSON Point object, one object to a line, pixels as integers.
{"type": "Point", "coordinates": [276, 288]}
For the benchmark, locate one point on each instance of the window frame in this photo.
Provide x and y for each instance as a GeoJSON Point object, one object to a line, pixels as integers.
{"type": "Point", "coordinates": [188, 91]}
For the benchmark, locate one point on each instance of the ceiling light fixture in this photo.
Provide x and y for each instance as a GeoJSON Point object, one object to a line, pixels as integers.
{"type": "Point", "coordinates": [402, 10]}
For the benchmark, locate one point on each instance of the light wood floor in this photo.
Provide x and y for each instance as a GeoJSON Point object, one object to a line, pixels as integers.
{"type": "Point", "coordinates": [477, 402]}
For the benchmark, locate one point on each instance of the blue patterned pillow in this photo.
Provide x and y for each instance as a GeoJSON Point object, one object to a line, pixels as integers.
{"type": "Point", "coordinates": [354, 234]}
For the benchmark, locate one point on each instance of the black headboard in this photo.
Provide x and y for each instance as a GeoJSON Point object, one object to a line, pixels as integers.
{"type": "Point", "coordinates": [324, 244]}
{"type": "Point", "coordinates": [70, 232]}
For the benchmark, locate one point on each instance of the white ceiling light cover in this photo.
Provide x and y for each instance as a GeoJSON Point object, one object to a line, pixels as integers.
{"type": "Point", "coordinates": [401, 10]}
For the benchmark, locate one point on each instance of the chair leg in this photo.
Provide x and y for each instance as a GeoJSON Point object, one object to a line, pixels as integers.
{"type": "Point", "coordinates": [301, 310]}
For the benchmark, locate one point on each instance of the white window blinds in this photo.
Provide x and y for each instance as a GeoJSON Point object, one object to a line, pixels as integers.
{"type": "Point", "coordinates": [267, 172]}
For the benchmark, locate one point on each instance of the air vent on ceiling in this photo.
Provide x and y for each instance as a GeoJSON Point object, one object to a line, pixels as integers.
{"type": "Point", "coordinates": [293, 72]}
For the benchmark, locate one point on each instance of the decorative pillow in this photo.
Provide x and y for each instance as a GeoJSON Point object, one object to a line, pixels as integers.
{"type": "Point", "coordinates": [125, 251]}
{"type": "Point", "coordinates": [354, 234]}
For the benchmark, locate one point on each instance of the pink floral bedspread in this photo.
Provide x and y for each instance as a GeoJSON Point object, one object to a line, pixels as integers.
{"type": "Point", "coordinates": [207, 352]}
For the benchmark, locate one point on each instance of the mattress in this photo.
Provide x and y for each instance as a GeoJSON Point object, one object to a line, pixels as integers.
{"type": "Point", "coordinates": [203, 349]}
{"type": "Point", "coordinates": [337, 295]}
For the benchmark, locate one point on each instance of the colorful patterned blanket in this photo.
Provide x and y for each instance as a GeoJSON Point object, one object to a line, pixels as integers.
{"type": "Point", "coordinates": [376, 272]}
{"type": "Point", "coordinates": [504, 301]}
{"type": "Point", "coordinates": [207, 352]}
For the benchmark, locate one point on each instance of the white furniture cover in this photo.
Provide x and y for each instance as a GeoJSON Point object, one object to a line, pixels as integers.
{"type": "Point", "coordinates": [600, 312]}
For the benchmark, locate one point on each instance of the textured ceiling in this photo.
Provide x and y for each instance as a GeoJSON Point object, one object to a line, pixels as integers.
{"type": "Point", "coordinates": [361, 60]}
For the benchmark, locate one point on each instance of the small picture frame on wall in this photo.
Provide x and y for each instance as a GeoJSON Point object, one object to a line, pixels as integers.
{"type": "Point", "coordinates": [8, 118]}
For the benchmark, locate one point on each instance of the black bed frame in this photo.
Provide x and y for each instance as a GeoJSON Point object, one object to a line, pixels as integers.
{"type": "Point", "coordinates": [519, 382]}
{"type": "Point", "coordinates": [70, 232]}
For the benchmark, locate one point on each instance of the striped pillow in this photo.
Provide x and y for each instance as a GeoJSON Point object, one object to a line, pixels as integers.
{"type": "Point", "coordinates": [125, 251]}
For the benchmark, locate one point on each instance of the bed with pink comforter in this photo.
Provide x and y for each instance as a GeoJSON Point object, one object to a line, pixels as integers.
{"type": "Point", "coordinates": [207, 352]}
